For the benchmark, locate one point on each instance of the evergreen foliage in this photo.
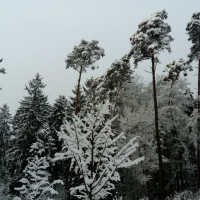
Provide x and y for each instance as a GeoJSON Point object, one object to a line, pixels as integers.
{"type": "Point", "coordinates": [30, 117]}
{"type": "Point", "coordinates": [81, 100]}
{"type": "Point", "coordinates": [35, 181]}
{"type": "Point", "coordinates": [5, 133]}
{"type": "Point", "coordinates": [61, 110]}
{"type": "Point", "coordinates": [72, 150]}
{"type": "Point", "coordinates": [83, 56]}
{"type": "Point", "coordinates": [192, 29]}
{"type": "Point", "coordinates": [90, 143]}
{"type": "Point", "coordinates": [148, 41]}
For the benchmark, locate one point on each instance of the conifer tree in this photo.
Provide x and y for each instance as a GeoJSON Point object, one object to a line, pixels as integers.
{"type": "Point", "coordinates": [89, 89]}
{"type": "Point", "coordinates": [60, 110]}
{"type": "Point", "coordinates": [36, 178]}
{"type": "Point", "coordinates": [91, 145]}
{"type": "Point", "coordinates": [193, 29]}
{"type": "Point", "coordinates": [148, 41]}
{"type": "Point", "coordinates": [5, 133]}
{"type": "Point", "coordinates": [83, 56]}
{"type": "Point", "coordinates": [30, 117]}
{"type": "Point", "coordinates": [81, 100]}
{"type": "Point", "coordinates": [110, 84]}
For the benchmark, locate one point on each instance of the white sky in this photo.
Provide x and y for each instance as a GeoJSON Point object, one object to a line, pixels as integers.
{"type": "Point", "coordinates": [37, 35]}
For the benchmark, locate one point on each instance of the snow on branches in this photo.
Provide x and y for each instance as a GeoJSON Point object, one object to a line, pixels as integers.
{"type": "Point", "coordinates": [151, 37]}
{"type": "Point", "coordinates": [175, 68]}
{"type": "Point", "coordinates": [193, 29]}
{"type": "Point", "coordinates": [84, 55]}
{"type": "Point", "coordinates": [91, 145]}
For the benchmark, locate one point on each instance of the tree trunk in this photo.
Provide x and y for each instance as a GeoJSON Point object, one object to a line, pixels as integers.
{"type": "Point", "coordinates": [198, 142]}
{"type": "Point", "coordinates": [117, 92]}
{"type": "Point", "coordinates": [78, 91]}
{"type": "Point", "coordinates": [162, 187]}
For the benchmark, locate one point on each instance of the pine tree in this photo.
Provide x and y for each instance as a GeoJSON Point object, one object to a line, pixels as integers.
{"type": "Point", "coordinates": [5, 133]}
{"type": "Point", "coordinates": [90, 143]}
{"type": "Point", "coordinates": [110, 84]}
{"type": "Point", "coordinates": [30, 117]}
{"type": "Point", "coordinates": [174, 69]}
{"type": "Point", "coordinates": [193, 28]}
{"type": "Point", "coordinates": [83, 56]}
{"type": "Point", "coordinates": [150, 39]}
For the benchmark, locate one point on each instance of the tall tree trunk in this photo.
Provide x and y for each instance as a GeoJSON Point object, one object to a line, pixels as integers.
{"type": "Point", "coordinates": [69, 182]}
{"type": "Point", "coordinates": [198, 138]}
{"type": "Point", "coordinates": [162, 187]}
{"type": "Point", "coordinates": [117, 92]}
{"type": "Point", "coordinates": [78, 91]}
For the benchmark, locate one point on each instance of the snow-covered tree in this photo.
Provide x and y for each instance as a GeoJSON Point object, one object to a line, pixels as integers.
{"type": "Point", "coordinates": [35, 181]}
{"type": "Point", "coordinates": [89, 89]}
{"type": "Point", "coordinates": [137, 119]}
{"type": "Point", "coordinates": [175, 68]}
{"type": "Point", "coordinates": [83, 56]}
{"type": "Point", "coordinates": [61, 110]}
{"type": "Point", "coordinates": [193, 29]}
{"type": "Point", "coordinates": [30, 117]}
{"type": "Point", "coordinates": [110, 83]}
{"type": "Point", "coordinates": [91, 145]}
{"type": "Point", "coordinates": [148, 41]}
{"type": "Point", "coordinates": [5, 133]}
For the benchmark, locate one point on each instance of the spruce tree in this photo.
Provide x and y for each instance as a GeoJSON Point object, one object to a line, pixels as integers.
{"type": "Point", "coordinates": [30, 117]}
{"type": "Point", "coordinates": [5, 133]}
{"type": "Point", "coordinates": [81, 100]}
{"type": "Point", "coordinates": [89, 89]}
{"type": "Point", "coordinates": [60, 110]}
{"type": "Point", "coordinates": [148, 41]}
{"type": "Point", "coordinates": [35, 182]}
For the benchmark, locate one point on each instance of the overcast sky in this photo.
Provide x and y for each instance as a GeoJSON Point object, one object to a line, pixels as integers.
{"type": "Point", "coordinates": [36, 37]}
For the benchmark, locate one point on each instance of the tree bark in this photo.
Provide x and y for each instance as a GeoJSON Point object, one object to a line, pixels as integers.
{"type": "Point", "coordinates": [78, 91]}
{"type": "Point", "coordinates": [198, 138]}
{"type": "Point", "coordinates": [162, 187]}
{"type": "Point", "coordinates": [117, 92]}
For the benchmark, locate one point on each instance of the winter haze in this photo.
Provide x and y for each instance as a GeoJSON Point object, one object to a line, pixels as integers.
{"type": "Point", "coordinates": [36, 36]}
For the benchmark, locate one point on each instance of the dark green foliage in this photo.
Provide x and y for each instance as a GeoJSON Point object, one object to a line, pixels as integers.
{"type": "Point", "coordinates": [193, 28]}
{"type": "Point", "coordinates": [5, 133]}
{"type": "Point", "coordinates": [59, 111]}
{"type": "Point", "coordinates": [81, 100]}
{"type": "Point", "coordinates": [30, 117]}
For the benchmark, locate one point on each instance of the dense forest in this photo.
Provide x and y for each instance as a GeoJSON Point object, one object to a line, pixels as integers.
{"type": "Point", "coordinates": [118, 137]}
